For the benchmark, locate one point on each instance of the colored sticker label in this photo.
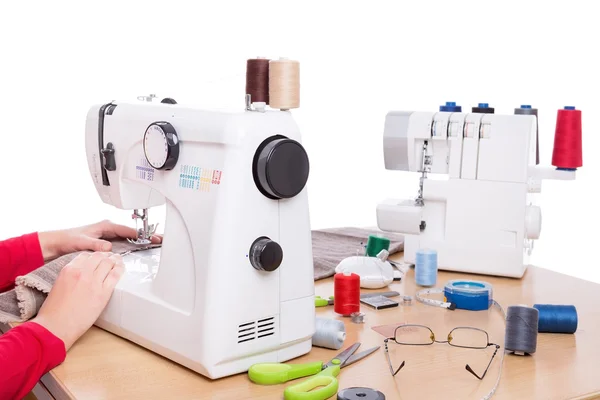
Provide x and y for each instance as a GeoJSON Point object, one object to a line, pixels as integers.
{"type": "Point", "coordinates": [144, 171]}
{"type": "Point", "coordinates": [197, 178]}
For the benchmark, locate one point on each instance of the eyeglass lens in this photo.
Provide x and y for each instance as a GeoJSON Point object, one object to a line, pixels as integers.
{"type": "Point", "coordinates": [458, 337]}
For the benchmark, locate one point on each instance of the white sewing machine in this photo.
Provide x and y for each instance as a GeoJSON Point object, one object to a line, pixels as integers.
{"type": "Point", "coordinates": [481, 216]}
{"type": "Point", "coordinates": [233, 282]}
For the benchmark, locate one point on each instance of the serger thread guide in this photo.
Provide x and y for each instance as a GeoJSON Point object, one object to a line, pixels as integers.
{"type": "Point", "coordinates": [482, 216]}
{"type": "Point", "coordinates": [232, 284]}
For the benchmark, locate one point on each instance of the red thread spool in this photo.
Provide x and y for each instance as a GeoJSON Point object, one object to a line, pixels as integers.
{"type": "Point", "coordinates": [567, 139]}
{"type": "Point", "coordinates": [346, 292]}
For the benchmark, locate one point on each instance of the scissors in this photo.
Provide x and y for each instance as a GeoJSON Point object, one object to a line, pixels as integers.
{"type": "Point", "coordinates": [321, 302]}
{"type": "Point", "coordinates": [324, 375]}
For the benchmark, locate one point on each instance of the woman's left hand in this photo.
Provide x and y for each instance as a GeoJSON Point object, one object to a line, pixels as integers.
{"type": "Point", "coordinates": [93, 237]}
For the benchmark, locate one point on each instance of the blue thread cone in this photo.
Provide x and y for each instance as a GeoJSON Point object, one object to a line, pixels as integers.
{"type": "Point", "coordinates": [426, 267]}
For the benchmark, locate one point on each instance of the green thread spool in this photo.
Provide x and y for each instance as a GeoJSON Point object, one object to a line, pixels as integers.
{"type": "Point", "coordinates": [375, 244]}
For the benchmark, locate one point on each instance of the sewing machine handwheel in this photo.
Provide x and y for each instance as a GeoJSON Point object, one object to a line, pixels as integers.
{"type": "Point", "coordinates": [280, 167]}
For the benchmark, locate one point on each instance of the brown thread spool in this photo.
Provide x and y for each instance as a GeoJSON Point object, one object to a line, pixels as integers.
{"type": "Point", "coordinates": [284, 84]}
{"type": "Point", "coordinates": [257, 80]}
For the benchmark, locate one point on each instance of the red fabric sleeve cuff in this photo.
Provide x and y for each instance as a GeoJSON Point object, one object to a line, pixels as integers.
{"type": "Point", "coordinates": [54, 351]}
{"type": "Point", "coordinates": [33, 250]}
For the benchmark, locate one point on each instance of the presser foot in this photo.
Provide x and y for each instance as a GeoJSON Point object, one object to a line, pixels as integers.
{"type": "Point", "coordinates": [139, 241]}
{"type": "Point", "coordinates": [144, 235]}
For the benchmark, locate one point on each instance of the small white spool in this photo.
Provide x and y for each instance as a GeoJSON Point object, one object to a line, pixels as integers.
{"type": "Point", "coordinates": [329, 333]}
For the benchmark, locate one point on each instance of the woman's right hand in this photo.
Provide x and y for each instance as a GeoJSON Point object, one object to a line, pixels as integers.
{"type": "Point", "coordinates": [79, 295]}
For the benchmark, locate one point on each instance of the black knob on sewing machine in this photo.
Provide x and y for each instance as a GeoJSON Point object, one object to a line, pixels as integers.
{"type": "Point", "coordinates": [280, 167]}
{"type": "Point", "coordinates": [265, 254]}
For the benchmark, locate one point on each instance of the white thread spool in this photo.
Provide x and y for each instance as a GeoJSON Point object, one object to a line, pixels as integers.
{"type": "Point", "coordinates": [284, 84]}
{"type": "Point", "coordinates": [329, 333]}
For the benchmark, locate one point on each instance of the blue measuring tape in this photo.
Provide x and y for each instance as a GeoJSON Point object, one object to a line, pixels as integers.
{"type": "Point", "coordinates": [462, 294]}
{"type": "Point", "coordinates": [468, 295]}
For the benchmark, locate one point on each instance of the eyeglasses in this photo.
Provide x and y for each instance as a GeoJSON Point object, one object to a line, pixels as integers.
{"type": "Point", "coordinates": [420, 335]}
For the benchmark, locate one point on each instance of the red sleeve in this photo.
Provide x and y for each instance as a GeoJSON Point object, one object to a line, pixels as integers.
{"type": "Point", "coordinates": [27, 352]}
{"type": "Point", "coordinates": [19, 256]}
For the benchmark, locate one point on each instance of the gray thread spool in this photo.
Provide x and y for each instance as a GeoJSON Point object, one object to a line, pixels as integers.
{"type": "Point", "coordinates": [521, 329]}
{"type": "Point", "coordinates": [329, 333]}
{"type": "Point", "coordinates": [532, 111]}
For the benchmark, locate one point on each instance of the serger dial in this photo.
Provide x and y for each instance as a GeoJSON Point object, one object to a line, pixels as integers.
{"type": "Point", "coordinates": [161, 145]}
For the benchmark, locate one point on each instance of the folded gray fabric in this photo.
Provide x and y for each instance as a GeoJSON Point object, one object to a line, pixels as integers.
{"type": "Point", "coordinates": [330, 246]}
{"type": "Point", "coordinates": [25, 300]}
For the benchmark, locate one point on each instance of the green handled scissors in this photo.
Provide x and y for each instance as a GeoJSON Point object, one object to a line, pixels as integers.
{"type": "Point", "coordinates": [324, 375]}
{"type": "Point", "coordinates": [321, 302]}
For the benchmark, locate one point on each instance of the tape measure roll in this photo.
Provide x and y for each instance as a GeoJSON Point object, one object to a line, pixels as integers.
{"type": "Point", "coordinates": [469, 295]}
{"type": "Point", "coordinates": [360, 393]}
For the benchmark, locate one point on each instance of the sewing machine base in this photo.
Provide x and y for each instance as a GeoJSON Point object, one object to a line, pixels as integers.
{"type": "Point", "coordinates": [133, 301]}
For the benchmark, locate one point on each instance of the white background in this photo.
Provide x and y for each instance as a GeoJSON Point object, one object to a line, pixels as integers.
{"type": "Point", "coordinates": [358, 61]}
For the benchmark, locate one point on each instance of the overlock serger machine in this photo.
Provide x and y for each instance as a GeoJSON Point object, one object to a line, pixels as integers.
{"type": "Point", "coordinates": [480, 211]}
{"type": "Point", "coordinates": [232, 284]}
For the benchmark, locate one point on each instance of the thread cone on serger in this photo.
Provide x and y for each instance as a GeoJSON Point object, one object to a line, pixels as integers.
{"type": "Point", "coordinates": [284, 84]}
{"type": "Point", "coordinates": [257, 80]}
{"type": "Point", "coordinates": [567, 152]}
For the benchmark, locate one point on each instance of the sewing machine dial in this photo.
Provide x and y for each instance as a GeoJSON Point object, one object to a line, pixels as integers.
{"type": "Point", "coordinates": [161, 145]}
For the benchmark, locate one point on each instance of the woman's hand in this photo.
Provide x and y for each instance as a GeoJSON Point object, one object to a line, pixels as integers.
{"type": "Point", "coordinates": [79, 295]}
{"type": "Point", "coordinates": [85, 238]}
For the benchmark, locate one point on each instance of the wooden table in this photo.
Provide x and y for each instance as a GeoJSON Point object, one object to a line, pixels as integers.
{"type": "Point", "coordinates": [103, 366]}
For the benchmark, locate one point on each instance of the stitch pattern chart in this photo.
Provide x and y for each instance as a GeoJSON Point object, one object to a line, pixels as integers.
{"type": "Point", "coordinates": [144, 171]}
{"type": "Point", "coordinates": [196, 178]}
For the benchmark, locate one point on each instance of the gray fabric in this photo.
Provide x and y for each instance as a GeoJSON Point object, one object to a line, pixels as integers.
{"type": "Point", "coordinates": [331, 246]}
{"type": "Point", "coordinates": [25, 300]}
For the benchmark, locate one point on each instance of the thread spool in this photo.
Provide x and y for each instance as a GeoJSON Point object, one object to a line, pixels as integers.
{"type": "Point", "coordinates": [375, 244]}
{"type": "Point", "coordinates": [426, 267]}
{"type": "Point", "coordinates": [483, 108]}
{"type": "Point", "coordinates": [329, 333]}
{"type": "Point", "coordinates": [284, 84]}
{"type": "Point", "coordinates": [346, 292]}
{"type": "Point", "coordinates": [521, 330]}
{"type": "Point", "coordinates": [257, 80]}
{"type": "Point", "coordinates": [566, 154]}
{"type": "Point", "coordinates": [527, 110]}
{"type": "Point", "coordinates": [556, 318]}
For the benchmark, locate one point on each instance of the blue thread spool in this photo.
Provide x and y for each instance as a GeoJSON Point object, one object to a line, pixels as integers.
{"type": "Point", "coordinates": [556, 318]}
{"type": "Point", "coordinates": [426, 267]}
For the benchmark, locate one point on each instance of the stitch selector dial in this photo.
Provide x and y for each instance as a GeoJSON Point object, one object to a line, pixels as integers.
{"type": "Point", "coordinates": [161, 145]}
{"type": "Point", "coordinates": [265, 254]}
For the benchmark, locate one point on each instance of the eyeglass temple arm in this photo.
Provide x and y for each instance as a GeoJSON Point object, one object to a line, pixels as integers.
{"type": "Point", "coordinates": [468, 368]}
{"type": "Point", "coordinates": [387, 354]}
